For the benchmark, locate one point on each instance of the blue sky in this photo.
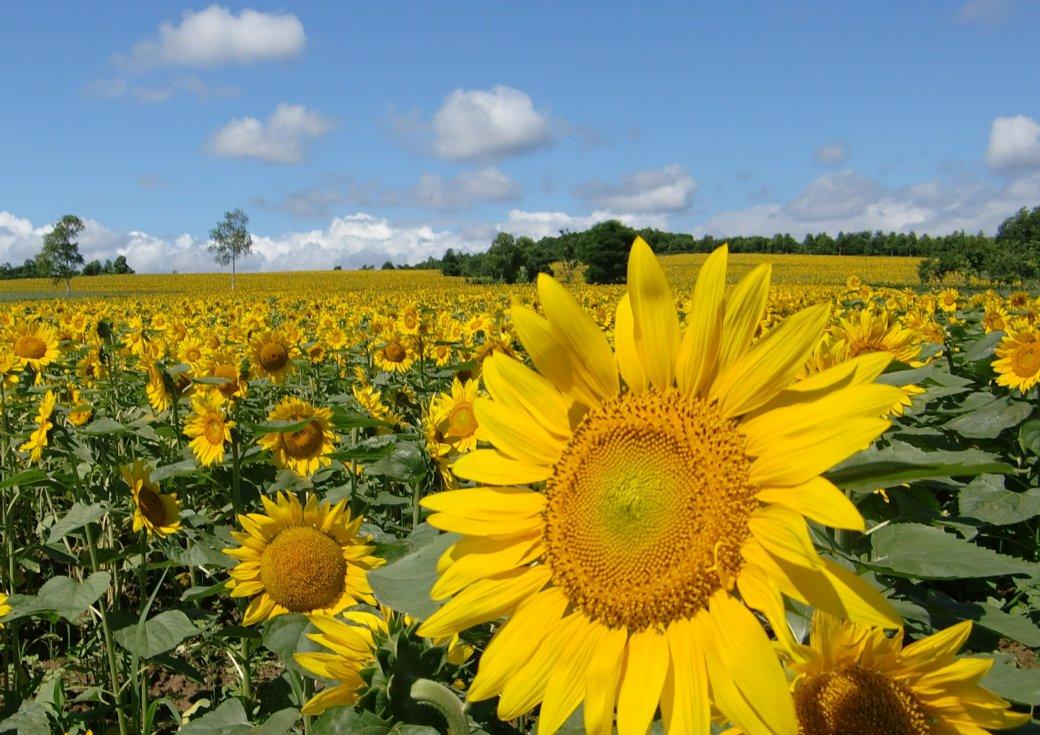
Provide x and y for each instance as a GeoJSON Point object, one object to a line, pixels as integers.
{"type": "Point", "coordinates": [361, 131]}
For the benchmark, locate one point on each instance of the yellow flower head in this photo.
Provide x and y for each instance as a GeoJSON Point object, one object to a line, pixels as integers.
{"type": "Point", "coordinates": [1018, 359]}
{"type": "Point", "coordinates": [395, 353]}
{"type": "Point", "coordinates": [272, 355]}
{"type": "Point", "coordinates": [453, 418]}
{"type": "Point", "coordinates": [158, 514]}
{"type": "Point", "coordinates": [302, 449]}
{"type": "Point", "coordinates": [675, 503]}
{"type": "Point", "coordinates": [223, 365]}
{"type": "Point", "coordinates": [300, 558]}
{"type": "Point", "coordinates": [208, 427]}
{"type": "Point", "coordinates": [854, 679]}
{"type": "Point", "coordinates": [38, 439]}
{"type": "Point", "coordinates": [948, 299]}
{"type": "Point", "coordinates": [348, 650]}
{"type": "Point", "coordinates": [5, 609]}
{"type": "Point", "coordinates": [36, 345]}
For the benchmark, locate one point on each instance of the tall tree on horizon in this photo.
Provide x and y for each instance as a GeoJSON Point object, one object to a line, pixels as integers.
{"type": "Point", "coordinates": [59, 259]}
{"type": "Point", "coordinates": [230, 239]}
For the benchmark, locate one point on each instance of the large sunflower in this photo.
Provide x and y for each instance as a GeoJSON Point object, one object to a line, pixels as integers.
{"type": "Point", "coordinates": [301, 450]}
{"type": "Point", "coordinates": [157, 514]}
{"type": "Point", "coordinates": [36, 345]}
{"type": "Point", "coordinates": [854, 679]}
{"type": "Point", "coordinates": [675, 503]}
{"type": "Point", "coordinates": [295, 558]}
{"type": "Point", "coordinates": [1018, 359]}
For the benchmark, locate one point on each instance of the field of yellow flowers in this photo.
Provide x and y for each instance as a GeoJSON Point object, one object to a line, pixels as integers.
{"type": "Point", "coordinates": [742, 493]}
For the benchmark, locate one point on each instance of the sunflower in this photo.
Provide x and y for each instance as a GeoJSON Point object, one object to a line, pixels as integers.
{"type": "Point", "coordinates": [10, 366]}
{"type": "Point", "coordinates": [303, 449]}
{"type": "Point", "coordinates": [157, 514]}
{"type": "Point", "coordinates": [350, 648]}
{"type": "Point", "coordinates": [80, 411]}
{"type": "Point", "coordinates": [854, 679]}
{"type": "Point", "coordinates": [395, 354]}
{"type": "Point", "coordinates": [190, 351]}
{"type": "Point", "coordinates": [675, 503]}
{"type": "Point", "coordinates": [865, 331]}
{"type": "Point", "coordinates": [272, 355]}
{"type": "Point", "coordinates": [36, 345]}
{"type": "Point", "coordinates": [208, 427]}
{"type": "Point", "coordinates": [948, 299]}
{"type": "Point", "coordinates": [5, 609]}
{"type": "Point", "coordinates": [224, 365]}
{"type": "Point", "coordinates": [1018, 363]}
{"type": "Point", "coordinates": [38, 438]}
{"type": "Point", "coordinates": [452, 415]}
{"type": "Point", "coordinates": [371, 401]}
{"type": "Point", "coordinates": [306, 559]}
{"type": "Point", "coordinates": [996, 319]}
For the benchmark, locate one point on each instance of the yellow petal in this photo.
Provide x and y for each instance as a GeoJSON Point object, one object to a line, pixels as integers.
{"type": "Point", "coordinates": [656, 323]}
{"type": "Point", "coordinates": [549, 353]}
{"type": "Point", "coordinates": [743, 315]}
{"type": "Point", "coordinates": [625, 348]}
{"type": "Point", "coordinates": [642, 681]}
{"type": "Point", "coordinates": [485, 600]}
{"type": "Point", "coordinates": [784, 534]}
{"type": "Point", "coordinates": [699, 351]}
{"type": "Point", "coordinates": [513, 383]}
{"type": "Point", "coordinates": [602, 681]}
{"type": "Point", "coordinates": [495, 468]}
{"type": "Point", "coordinates": [818, 500]}
{"type": "Point", "coordinates": [336, 696]}
{"type": "Point", "coordinates": [526, 687]}
{"type": "Point", "coordinates": [685, 703]}
{"type": "Point", "coordinates": [937, 647]}
{"type": "Point", "coordinates": [477, 558]}
{"type": "Point", "coordinates": [771, 364]}
{"type": "Point", "coordinates": [588, 346]}
{"type": "Point", "coordinates": [565, 687]}
{"type": "Point", "coordinates": [515, 434]}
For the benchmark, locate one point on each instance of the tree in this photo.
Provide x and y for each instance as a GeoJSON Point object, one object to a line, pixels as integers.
{"type": "Point", "coordinates": [230, 239]}
{"type": "Point", "coordinates": [93, 268]}
{"type": "Point", "coordinates": [604, 250]}
{"type": "Point", "coordinates": [387, 266]}
{"type": "Point", "coordinates": [450, 265]}
{"type": "Point", "coordinates": [121, 267]}
{"type": "Point", "coordinates": [504, 258]}
{"type": "Point", "coordinates": [60, 255]}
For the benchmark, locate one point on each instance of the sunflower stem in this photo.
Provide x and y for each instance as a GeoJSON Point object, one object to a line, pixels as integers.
{"type": "Point", "coordinates": [442, 699]}
{"type": "Point", "coordinates": [106, 629]}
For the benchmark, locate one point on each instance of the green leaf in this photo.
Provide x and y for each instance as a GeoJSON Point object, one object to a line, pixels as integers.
{"type": "Point", "coordinates": [988, 421]}
{"type": "Point", "coordinates": [345, 721]}
{"type": "Point", "coordinates": [227, 719]}
{"type": "Point", "coordinates": [30, 719]}
{"type": "Point", "coordinates": [405, 585]}
{"type": "Point", "coordinates": [1021, 686]}
{"type": "Point", "coordinates": [406, 463]}
{"type": "Point", "coordinates": [103, 426]}
{"type": "Point", "coordinates": [276, 426]}
{"type": "Point", "coordinates": [25, 478]}
{"type": "Point", "coordinates": [279, 723]}
{"type": "Point", "coordinates": [62, 595]}
{"type": "Point", "coordinates": [982, 348]}
{"type": "Point", "coordinates": [1029, 436]}
{"type": "Point", "coordinates": [901, 463]}
{"type": "Point", "coordinates": [78, 516]}
{"type": "Point", "coordinates": [344, 419]}
{"type": "Point", "coordinates": [177, 469]}
{"type": "Point", "coordinates": [986, 499]}
{"type": "Point", "coordinates": [283, 635]}
{"type": "Point", "coordinates": [944, 611]}
{"type": "Point", "coordinates": [157, 635]}
{"type": "Point", "coordinates": [923, 552]}
{"type": "Point", "coordinates": [378, 447]}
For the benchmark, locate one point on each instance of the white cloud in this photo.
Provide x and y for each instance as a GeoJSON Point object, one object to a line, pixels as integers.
{"type": "Point", "coordinates": [282, 139]}
{"type": "Point", "coordinates": [1014, 142]}
{"type": "Point", "coordinates": [484, 125]}
{"type": "Point", "coordinates": [834, 196]}
{"type": "Point", "coordinates": [668, 189]}
{"type": "Point", "coordinates": [463, 190]}
{"type": "Point", "coordinates": [831, 154]}
{"type": "Point", "coordinates": [988, 12]}
{"type": "Point", "coordinates": [19, 240]}
{"type": "Point", "coordinates": [545, 224]}
{"type": "Point", "coordinates": [217, 36]}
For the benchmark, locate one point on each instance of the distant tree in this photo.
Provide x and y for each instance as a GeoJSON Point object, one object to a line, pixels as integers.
{"type": "Point", "coordinates": [60, 257]}
{"type": "Point", "coordinates": [450, 265]}
{"type": "Point", "coordinates": [387, 266]}
{"type": "Point", "coordinates": [604, 251]}
{"type": "Point", "coordinates": [230, 240]}
{"type": "Point", "coordinates": [337, 267]}
{"type": "Point", "coordinates": [120, 266]}
{"type": "Point", "coordinates": [504, 258]}
{"type": "Point", "coordinates": [1018, 242]}
{"type": "Point", "coordinates": [93, 268]}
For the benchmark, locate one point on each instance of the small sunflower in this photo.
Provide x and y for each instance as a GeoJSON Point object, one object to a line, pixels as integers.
{"type": "Point", "coordinates": [301, 450]}
{"type": "Point", "coordinates": [854, 679]}
{"type": "Point", "coordinates": [675, 503]}
{"type": "Point", "coordinates": [158, 514]}
{"type": "Point", "coordinates": [948, 299]}
{"type": "Point", "coordinates": [395, 354]}
{"type": "Point", "coordinates": [208, 427]}
{"type": "Point", "coordinates": [10, 366]}
{"type": "Point", "coordinates": [223, 365]}
{"type": "Point", "coordinates": [1018, 363]}
{"type": "Point", "coordinates": [36, 345]}
{"type": "Point", "coordinates": [272, 355]}
{"type": "Point", "coordinates": [300, 558]}
{"type": "Point", "coordinates": [5, 609]}
{"type": "Point", "coordinates": [350, 648]}
{"type": "Point", "coordinates": [453, 415]}
{"type": "Point", "coordinates": [80, 410]}
{"type": "Point", "coordinates": [38, 439]}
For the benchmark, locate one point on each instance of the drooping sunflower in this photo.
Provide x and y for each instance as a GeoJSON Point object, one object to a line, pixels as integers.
{"type": "Point", "coordinates": [38, 439]}
{"type": "Point", "coordinates": [223, 365]}
{"type": "Point", "coordinates": [301, 450]}
{"type": "Point", "coordinates": [295, 558]}
{"type": "Point", "coordinates": [36, 345]}
{"type": "Point", "coordinates": [1018, 363]}
{"type": "Point", "coordinates": [208, 427]}
{"type": "Point", "coordinates": [854, 679]}
{"type": "Point", "coordinates": [272, 355]}
{"type": "Point", "coordinates": [349, 649]}
{"type": "Point", "coordinates": [675, 503]}
{"type": "Point", "coordinates": [158, 514]}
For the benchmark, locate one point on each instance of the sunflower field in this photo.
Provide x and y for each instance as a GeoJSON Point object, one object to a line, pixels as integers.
{"type": "Point", "coordinates": [739, 494]}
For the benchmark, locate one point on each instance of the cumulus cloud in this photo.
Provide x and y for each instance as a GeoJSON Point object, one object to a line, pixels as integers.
{"type": "Point", "coordinates": [847, 201]}
{"type": "Point", "coordinates": [988, 12]}
{"type": "Point", "coordinates": [283, 138]}
{"type": "Point", "coordinates": [831, 154]}
{"type": "Point", "coordinates": [1014, 142]}
{"type": "Point", "coordinates": [668, 189]}
{"type": "Point", "coordinates": [545, 224]}
{"type": "Point", "coordinates": [217, 36]}
{"type": "Point", "coordinates": [463, 189]}
{"type": "Point", "coordinates": [487, 125]}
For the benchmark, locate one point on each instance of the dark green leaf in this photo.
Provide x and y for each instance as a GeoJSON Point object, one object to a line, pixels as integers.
{"type": "Point", "coordinates": [1017, 685]}
{"type": "Point", "coordinates": [103, 426]}
{"type": "Point", "coordinates": [988, 421]}
{"type": "Point", "coordinates": [923, 552]}
{"type": "Point", "coordinates": [157, 635]}
{"type": "Point", "coordinates": [405, 585]}
{"type": "Point", "coordinates": [986, 499]}
{"type": "Point", "coordinates": [62, 595]}
{"type": "Point", "coordinates": [1029, 436]}
{"type": "Point", "coordinates": [345, 721]}
{"type": "Point", "coordinates": [900, 463]}
{"type": "Point", "coordinates": [25, 478]}
{"type": "Point", "coordinates": [78, 516]}
{"type": "Point", "coordinates": [283, 635]}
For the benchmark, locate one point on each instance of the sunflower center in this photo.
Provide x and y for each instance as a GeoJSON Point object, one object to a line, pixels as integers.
{"type": "Point", "coordinates": [648, 508]}
{"type": "Point", "coordinates": [858, 701]}
{"type": "Point", "coordinates": [461, 422]}
{"type": "Point", "coordinates": [29, 347]}
{"type": "Point", "coordinates": [151, 506]}
{"type": "Point", "coordinates": [303, 569]}
{"type": "Point", "coordinates": [273, 356]}
{"type": "Point", "coordinates": [304, 443]}
{"type": "Point", "coordinates": [1025, 360]}
{"type": "Point", "coordinates": [193, 354]}
{"type": "Point", "coordinates": [226, 371]}
{"type": "Point", "coordinates": [215, 430]}
{"type": "Point", "coordinates": [394, 352]}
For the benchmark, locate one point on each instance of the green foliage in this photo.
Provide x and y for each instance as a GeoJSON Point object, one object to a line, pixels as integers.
{"type": "Point", "coordinates": [59, 259]}
{"type": "Point", "coordinates": [230, 240]}
{"type": "Point", "coordinates": [604, 251]}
